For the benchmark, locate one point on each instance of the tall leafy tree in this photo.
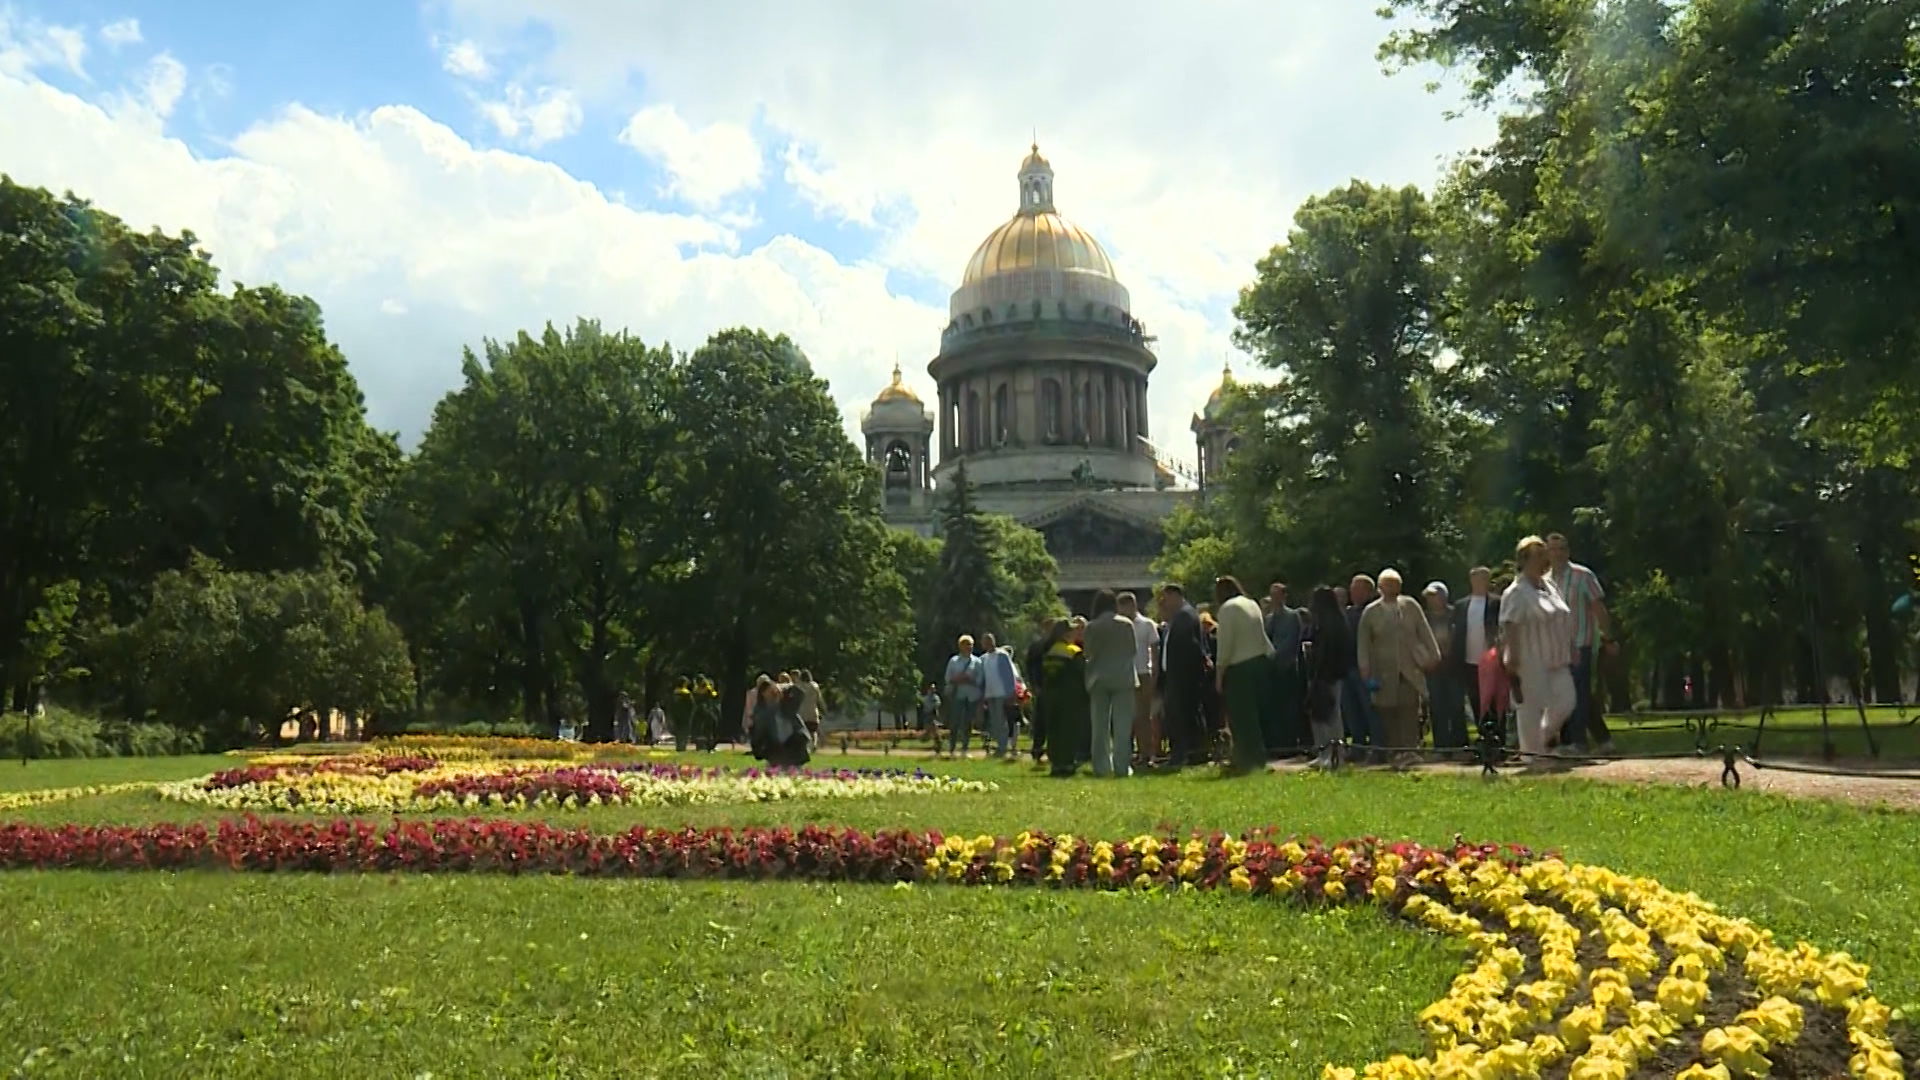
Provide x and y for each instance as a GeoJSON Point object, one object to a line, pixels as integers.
{"type": "Point", "coordinates": [540, 503]}
{"type": "Point", "coordinates": [145, 415]}
{"type": "Point", "coordinates": [1349, 434]}
{"type": "Point", "coordinates": [1740, 363]}
{"type": "Point", "coordinates": [782, 515]}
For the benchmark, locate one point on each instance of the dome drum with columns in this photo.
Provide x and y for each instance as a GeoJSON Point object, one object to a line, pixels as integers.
{"type": "Point", "coordinates": [1042, 380]}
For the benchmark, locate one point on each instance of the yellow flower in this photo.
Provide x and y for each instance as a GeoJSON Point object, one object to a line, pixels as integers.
{"type": "Point", "coordinates": [1681, 998]}
{"type": "Point", "coordinates": [1741, 1049]}
{"type": "Point", "coordinates": [1580, 1027]}
{"type": "Point", "coordinates": [1864, 1014]}
{"type": "Point", "coordinates": [1841, 978]}
{"type": "Point", "coordinates": [1335, 889]}
{"type": "Point", "coordinates": [1776, 1018]}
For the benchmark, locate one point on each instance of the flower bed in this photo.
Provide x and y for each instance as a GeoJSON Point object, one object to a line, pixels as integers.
{"type": "Point", "coordinates": [415, 785]}
{"type": "Point", "coordinates": [1578, 971]}
{"type": "Point", "coordinates": [20, 800]}
{"type": "Point", "coordinates": [497, 748]}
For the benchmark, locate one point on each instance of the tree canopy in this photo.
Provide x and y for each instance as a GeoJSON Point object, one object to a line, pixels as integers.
{"type": "Point", "coordinates": [1664, 311]}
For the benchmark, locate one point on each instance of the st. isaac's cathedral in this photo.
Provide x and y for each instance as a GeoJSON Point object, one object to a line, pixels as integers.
{"type": "Point", "coordinates": [1042, 375]}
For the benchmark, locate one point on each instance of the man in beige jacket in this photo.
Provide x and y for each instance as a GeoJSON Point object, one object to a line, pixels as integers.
{"type": "Point", "coordinates": [1397, 650]}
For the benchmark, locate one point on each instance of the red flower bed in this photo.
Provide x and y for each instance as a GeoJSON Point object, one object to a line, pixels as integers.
{"type": "Point", "coordinates": [811, 852]}
{"type": "Point", "coordinates": [533, 785]}
{"type": "Point", "coordinates": [349, 766]}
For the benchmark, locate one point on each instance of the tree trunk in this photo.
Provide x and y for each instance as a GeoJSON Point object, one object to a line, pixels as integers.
{"type": "Point", "coordinates": [733, 681]}
{"type": "Point", "coordinates": [1723, 694]}
{"type": "Point", "coordinates": [1883, 648]}
{"type": "Point", "coordinates": [535, 708]}
{"type": "Point", "coordinates": [601, 697]}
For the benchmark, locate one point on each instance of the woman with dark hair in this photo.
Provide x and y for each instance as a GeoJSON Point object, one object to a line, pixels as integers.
{"type": "Point", "coordinates": [1329, 658]}
{"type": "Point", "coordinates": [1241, 672]}
{"type": "Point", "coordinates": [778, 736]}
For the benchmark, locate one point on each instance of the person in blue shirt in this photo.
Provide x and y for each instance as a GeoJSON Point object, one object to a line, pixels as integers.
{"type": "Point", "coordinates": [998, 670]}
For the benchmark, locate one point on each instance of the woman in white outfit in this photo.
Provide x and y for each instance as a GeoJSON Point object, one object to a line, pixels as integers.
{"type": "Point", "coordinates": [1536, 629]}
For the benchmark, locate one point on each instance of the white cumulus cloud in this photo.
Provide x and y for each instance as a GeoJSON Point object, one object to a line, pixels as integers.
{"type": "Point", "coordinates": [536, 118]}
{"type": "Point", "coordinates": [121, 33]}
{"type": "Point", "coordinates": [416, 242]}
{"type": "Point", "coordinates": [27, 45]}
{"type": "Point", "coordinates": [465, 59]}
{"type": "Point", "coordinates": [704, 165]}
{"type": "Point", "coordinates": [1184, 137]}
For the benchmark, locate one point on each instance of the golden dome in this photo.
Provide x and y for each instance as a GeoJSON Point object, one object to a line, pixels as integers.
{"type": "Point", "coordinates": [899, 391]}
{"type": "Point", "coordinates": [1044, 241]}
{"type": "Point", "coordinates": [1037, 238]}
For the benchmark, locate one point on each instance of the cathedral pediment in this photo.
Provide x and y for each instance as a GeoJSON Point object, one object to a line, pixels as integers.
{"type": "Point", "coordinates": [1086, 530]}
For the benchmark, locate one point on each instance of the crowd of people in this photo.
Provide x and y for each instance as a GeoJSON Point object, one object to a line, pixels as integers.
{"type": "Point", "coordinates": [1364, 669]}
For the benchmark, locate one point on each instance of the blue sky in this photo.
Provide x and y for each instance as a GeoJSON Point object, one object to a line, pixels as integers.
{"type": "Point", "coordinates": [438, 172]}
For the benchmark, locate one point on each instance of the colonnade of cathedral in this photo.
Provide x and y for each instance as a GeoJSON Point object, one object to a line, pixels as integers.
{"type": "Point", "coordinates": [1042, 404]}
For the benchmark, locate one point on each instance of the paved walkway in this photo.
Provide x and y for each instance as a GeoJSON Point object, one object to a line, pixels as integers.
{"type": "Point", "coordinates": [1899, 789]}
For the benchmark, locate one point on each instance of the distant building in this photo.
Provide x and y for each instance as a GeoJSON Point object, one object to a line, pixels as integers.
{"type": "Point", "coordinates": [1042, 377]}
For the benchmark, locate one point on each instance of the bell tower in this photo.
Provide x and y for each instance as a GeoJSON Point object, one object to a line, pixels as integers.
{"type": "Point", "coordinates": [899, 434]}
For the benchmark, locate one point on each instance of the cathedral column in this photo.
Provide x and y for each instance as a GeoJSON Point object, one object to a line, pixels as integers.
{"type": "Point", "coordinates": [1140, 391]}
{"type": "Point", "coordinates": [1116, 417]}
{"type": "Point", "coordinates": [945, 416]}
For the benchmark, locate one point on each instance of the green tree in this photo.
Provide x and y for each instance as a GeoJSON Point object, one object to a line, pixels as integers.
{"type": "Point", "coordinates": [1676, 286]}
{"type": "Point", "coordinates": [234, 655]}
{"type": "Point", "coordinates": [789, 561]}
{"type": "Point", "coordinates": [1350, 432]}
{"type": "Point", "coordinates": [965, 596]}
{"type": "Point", "coordinates": [1026, 577]}
{"type": "Point", "coordinates": [144, 415]}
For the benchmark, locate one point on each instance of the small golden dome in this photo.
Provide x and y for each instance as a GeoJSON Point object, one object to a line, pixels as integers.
{"type": "Point", "coordinates": [1034, 160]}
{"type": "Point", "coordinates": [1218, 397]}
{"type": "Point", "coordinates": [899, 391]}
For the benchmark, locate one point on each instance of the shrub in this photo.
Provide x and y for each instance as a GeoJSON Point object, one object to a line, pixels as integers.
{"type": "Point", "coordinates": [477, 729]}
{"type": "Point", "coordinates": [64, 733]}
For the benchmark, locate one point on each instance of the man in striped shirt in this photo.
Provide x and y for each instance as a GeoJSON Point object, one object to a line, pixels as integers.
{"type": "Point", "coordinates": [1583, 594]}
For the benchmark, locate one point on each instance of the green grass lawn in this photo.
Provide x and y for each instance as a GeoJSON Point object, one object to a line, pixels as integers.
{"type": "Point", "coordinates": [164, 975]}
{"type": "Point", "coordinates": [80, 772]}
{"type": "Point", "coordinates": [171, 974]}
{"type": "Point", "coordinates": [1790, 733]}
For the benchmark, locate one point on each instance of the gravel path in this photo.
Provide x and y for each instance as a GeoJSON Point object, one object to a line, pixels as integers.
{"type": "Point", "coordinates": [1897, 788]}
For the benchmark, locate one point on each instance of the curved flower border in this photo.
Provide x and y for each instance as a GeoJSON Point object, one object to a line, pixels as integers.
{"type": "Point", "coordinates": [418, 785]}
{"type": "Point", "coordinates": [1489, 1026]}
{"type": "Point", "coordinates": [1587, 1021]}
